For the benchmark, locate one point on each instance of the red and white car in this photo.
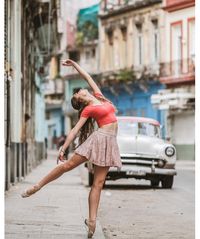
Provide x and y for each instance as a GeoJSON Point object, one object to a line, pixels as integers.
{"type": "Point", "coordinates": [144, 154]}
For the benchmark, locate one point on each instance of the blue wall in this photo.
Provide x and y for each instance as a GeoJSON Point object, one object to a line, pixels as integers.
{"type": "Point", "coordinates": [56, 121]}
{"type": "Point", "coordinates": [138, 103]}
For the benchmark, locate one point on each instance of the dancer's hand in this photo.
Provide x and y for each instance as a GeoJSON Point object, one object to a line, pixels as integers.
{"type": "Point", "coordinates": [61, 155]}
{"type": "Point", "coordinates": [67, 62]}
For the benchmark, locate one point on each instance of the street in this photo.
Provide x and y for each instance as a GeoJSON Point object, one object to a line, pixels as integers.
{"type": "Point", "coordinates": [56, 212]}
{"type": "Point", "coordinates": [128, 208]}
{"type": "Point", "coordinates": [131, 209]}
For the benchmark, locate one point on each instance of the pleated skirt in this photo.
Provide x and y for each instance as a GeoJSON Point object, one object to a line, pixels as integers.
{"type": "Point", "coordinates": [101, 149]}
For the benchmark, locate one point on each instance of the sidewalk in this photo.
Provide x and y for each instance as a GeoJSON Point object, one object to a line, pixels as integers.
{"type": "Point", "coordinates": [56, 212]}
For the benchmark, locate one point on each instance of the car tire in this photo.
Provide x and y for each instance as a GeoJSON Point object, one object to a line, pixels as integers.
{"type": "Point", "coordinates": [155, 183]}
{"type": "Point", "coordinates": [167, 182]}
{"type": "Point", "coordinates": [90, 178]}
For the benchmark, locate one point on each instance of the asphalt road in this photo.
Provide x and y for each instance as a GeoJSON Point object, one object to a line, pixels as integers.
{"type": "Point", "coordinates": [131, 209]}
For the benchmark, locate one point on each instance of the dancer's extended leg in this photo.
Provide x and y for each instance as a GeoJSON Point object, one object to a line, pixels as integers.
{"type": "Point", "coordinates": [75, 160]}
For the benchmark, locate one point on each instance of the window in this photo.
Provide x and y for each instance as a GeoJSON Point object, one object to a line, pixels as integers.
{"type": "Point", "coordinates": [191, 38]}
{"type": "Point", "coordinates": [139, 45]}
{"type": "Point", "coordinates": [47, 115]}
{"type": "Point", "coordinates": [176, 48]}
{"type": "Point", "coordinates": [87, 55]}
{"type": "Point", "coordinates": [110, 37]}
{"type": "Point", "coordinates": [155, 43]}
{"type": "Point", "coordinates": [191, 45]}
{"type": "Point", "coordinates": [110, 50]}
{"type": "Point", "coordinates": [74, 55]}
{"type": "Point", "coordinates": [93, 52]}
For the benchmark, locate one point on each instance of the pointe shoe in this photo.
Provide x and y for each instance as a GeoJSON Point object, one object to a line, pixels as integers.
{"type": "Point", "coordinates": [28, 192]}
{"type": "Point", "coordinates": [91, 224]}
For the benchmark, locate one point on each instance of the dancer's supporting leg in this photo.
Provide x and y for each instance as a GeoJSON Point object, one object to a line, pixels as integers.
{"type": "Point", "coordinates": [75, 160]}
{"type": "Point", "coordinates": [95, 192]}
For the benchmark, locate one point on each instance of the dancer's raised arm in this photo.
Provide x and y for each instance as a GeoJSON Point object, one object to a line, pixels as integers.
{"type": "Point", "coordinates": [84, 74]}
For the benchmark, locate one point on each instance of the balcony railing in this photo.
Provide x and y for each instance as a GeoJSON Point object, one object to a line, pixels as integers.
{"type": "Point", "coordinates": [177, 71]}
{"type": "Point", "coordinates": [91, 66]}
{"type": "Point", "coordinates": [52, 87]}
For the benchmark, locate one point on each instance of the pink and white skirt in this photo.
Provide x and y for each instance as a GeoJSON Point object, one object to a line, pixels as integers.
{"type": "Point", "coordinates": [101, 149]}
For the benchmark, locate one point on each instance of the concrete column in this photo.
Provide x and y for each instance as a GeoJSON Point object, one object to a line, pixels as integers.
{"type": "Point", "coordinates": [15, 86]}
{"type": "Point", "coordinates": [16, 104]}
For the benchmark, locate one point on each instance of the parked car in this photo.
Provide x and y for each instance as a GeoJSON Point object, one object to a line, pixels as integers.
{"type": "Point", "coordinates": [144, 154]}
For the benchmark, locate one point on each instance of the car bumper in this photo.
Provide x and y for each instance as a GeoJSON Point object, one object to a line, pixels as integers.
{"type": "Point", "coordinates": [133, 170]}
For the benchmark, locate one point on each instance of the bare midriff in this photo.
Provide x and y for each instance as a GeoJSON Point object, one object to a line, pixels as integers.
{"type": "Point", "coordinates": [112, 127]}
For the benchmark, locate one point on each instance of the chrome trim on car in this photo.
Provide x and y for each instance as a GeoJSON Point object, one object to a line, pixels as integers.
{"type": "Point", "coordinates": [142, 171]}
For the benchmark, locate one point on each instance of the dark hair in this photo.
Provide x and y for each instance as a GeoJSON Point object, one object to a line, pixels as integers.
{"type": "Point", "coordinates": [87, 129]}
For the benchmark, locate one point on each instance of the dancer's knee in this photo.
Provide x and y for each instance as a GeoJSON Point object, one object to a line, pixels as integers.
{"type": "Point", "coordinates": [98, 185]}
{"type": "Point", "coordinates": [73, 162]}
{"type": "Point", "coordinates": [67, 166]}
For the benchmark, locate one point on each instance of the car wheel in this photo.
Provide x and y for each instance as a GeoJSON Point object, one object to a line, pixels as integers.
{"type": "Point", "coordinates": [167, 182]}
{"type": "Point", "coordinates": [90, 178]}
{"type": "Point", "coordinates": [155, 183]}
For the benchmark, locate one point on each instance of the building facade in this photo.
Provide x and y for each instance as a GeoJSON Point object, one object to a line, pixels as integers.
{"type": "Point", "coordinates": [84, 50]}
{"type": "Point", "coordinates": [130, 36]}
{"type": "Point", "coordinates": [178, 74]}
{"type": "Point", "coordinates": [27, 51]}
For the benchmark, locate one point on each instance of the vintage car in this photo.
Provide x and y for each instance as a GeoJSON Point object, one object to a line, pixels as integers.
{"type": "Point", "coordinates": [144, 154]}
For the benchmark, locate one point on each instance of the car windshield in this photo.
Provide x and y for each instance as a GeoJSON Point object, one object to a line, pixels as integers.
{"type": "Point", "coordinates": [127, 128]}
{"type": "Point", "coordinates": [148, 129]}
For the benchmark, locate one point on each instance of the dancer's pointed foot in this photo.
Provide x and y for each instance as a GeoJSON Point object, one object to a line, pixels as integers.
{"type": "Point", "coordinates": [28, 192]}
{"type": "Point", "coordinates": [91, 224]}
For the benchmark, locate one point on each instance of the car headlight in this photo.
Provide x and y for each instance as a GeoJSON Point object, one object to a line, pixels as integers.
{"type": "Point", "coordinates": [169, 151]}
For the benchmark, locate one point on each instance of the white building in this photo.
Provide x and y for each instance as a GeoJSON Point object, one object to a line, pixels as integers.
{"type": "Point", "coordinates": [178, 74]}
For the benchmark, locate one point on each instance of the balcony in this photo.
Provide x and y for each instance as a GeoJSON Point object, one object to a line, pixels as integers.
{"type": "Point", "coordinates": [88, 62]}
{"type": "Point", "coordinates": [179, 71]}
{"type": "Point", "coordinates": [53, 87]}
{"type": "Point", "coordinates": [174, 5]}
{"type": "Point", "coordinates": [181, 98]}
{"type": "Point", "coordinates": [112, 8]}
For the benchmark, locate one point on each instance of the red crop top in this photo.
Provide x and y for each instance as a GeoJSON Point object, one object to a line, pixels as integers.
{"type": "Point", "coordinates": [103, 114]}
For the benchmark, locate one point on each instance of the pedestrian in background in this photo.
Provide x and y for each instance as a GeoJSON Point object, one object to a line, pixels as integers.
{"type": "Point", "coordinates": [98, 146]}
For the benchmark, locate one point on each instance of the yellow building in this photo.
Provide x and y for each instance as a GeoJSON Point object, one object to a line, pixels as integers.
{"type": "Point", "coordinates": [130, 33]}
